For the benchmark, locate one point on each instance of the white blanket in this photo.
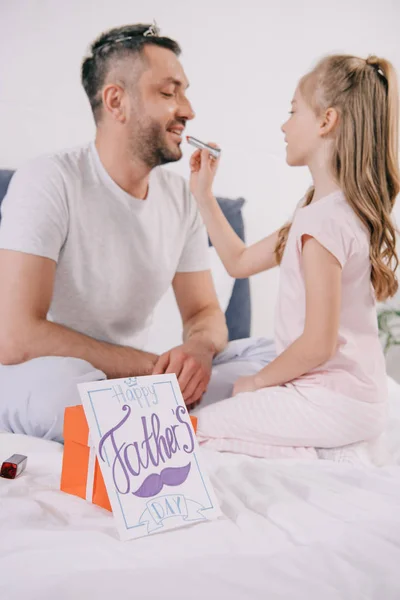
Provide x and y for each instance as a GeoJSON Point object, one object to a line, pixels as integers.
{"type": "Point", "coordinates": [312, 530]}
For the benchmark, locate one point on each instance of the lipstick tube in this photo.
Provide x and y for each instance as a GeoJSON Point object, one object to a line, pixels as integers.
{"type": "Point", "coordinates": [215, 152]}
{"type": "Point", "coordinates": [13, 466]}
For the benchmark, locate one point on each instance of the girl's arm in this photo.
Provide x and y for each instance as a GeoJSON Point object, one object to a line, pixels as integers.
{"type": "Point", "coordinates": [240, 261]}
{"type": "Point", "coordinates": [317, 344]}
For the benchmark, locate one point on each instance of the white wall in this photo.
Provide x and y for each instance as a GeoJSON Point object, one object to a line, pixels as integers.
{"type": "Point", "coordinates": [243, 59]}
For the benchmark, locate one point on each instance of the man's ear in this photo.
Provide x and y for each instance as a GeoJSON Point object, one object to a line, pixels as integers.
{"type": "Point", "coordinates": [114, 102]}
{"type": "Point", "coordinates": [329, 121]}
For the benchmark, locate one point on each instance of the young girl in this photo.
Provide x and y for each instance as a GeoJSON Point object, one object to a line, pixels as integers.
{"type": "Point", "coordinates": [327, 386]}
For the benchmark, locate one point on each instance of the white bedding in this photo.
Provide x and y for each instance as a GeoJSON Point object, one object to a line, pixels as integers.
{"type": "Point", "coordinates": [291, 530]}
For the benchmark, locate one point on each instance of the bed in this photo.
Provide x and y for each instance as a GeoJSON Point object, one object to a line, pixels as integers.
{"type": "Point", "coordinates": [293, 530]}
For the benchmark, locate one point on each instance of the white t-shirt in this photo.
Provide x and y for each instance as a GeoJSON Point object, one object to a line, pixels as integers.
{"type": "Point", "coordinates": [116, 254]}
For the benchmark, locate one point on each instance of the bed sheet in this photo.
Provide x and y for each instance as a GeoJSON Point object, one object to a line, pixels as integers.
{"type": "Point", "coordinates": [291, 530]}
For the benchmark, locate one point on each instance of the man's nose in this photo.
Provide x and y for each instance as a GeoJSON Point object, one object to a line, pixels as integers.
{"type": "Point", "coordinates": [186, 111]}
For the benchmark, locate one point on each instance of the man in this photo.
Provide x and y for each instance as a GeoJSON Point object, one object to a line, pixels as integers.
{"type": "Point", "coordinates": [91, 238]}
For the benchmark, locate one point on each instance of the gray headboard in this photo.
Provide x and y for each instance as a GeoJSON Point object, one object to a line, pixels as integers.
{"type": "Point", "coordinates": [238, 313]}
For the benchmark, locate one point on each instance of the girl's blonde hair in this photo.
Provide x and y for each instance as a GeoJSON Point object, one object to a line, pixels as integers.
{"type": "Point", "coordinates": [365, 157]}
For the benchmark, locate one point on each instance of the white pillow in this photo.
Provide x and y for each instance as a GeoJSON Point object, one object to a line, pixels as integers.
{"type": "Point", "coordinates": [166, 329]}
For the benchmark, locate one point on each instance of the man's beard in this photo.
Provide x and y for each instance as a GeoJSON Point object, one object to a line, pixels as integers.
{"type": "Point", "coordinates": [149, 144]}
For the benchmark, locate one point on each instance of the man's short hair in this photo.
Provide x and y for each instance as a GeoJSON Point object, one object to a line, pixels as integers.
{"type": "Point", "coordinates": [111, 46]}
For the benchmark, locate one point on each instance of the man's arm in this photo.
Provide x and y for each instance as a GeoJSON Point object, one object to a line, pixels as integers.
{"type": "Point", "coordinates": [202, 317]}
{"type": "Point", "coordinates": [27, 283]}
{"type": "Point", "coordinates": [204, 334]}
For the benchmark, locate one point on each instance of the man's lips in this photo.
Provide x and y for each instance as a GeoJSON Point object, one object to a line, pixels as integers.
{"type": "Point", "coordinates": [176, 132]}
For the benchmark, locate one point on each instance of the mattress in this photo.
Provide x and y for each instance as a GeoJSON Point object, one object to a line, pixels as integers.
{"type": "Point", "coordinates": [290, 530]}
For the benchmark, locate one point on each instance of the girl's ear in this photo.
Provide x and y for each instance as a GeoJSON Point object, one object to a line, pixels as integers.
{"type": "Point", "coordinates": [328, 121]}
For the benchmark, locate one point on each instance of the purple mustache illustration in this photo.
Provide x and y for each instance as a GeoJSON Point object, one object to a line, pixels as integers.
{"type": "Point", "coordinates": [153, 484]}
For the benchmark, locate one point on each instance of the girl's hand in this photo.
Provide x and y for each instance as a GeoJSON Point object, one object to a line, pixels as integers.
{"type": "Point", "coordinates": [245, 384]}
{"type": "Point", "coordinates": [203, 168]}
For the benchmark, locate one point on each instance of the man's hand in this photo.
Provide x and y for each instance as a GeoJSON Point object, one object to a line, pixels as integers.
{"type": "Point", "coordinates": [244, 384]}
{"type": "Point", "coordinates": [192, 364]}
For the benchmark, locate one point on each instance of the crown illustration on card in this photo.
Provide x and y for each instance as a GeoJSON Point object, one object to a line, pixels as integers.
{"type": "Point", "coordinates": [131, 381]}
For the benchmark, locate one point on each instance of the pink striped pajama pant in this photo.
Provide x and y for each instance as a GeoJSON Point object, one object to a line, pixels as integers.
{"type": "Point", "coordinates": [288, 422]}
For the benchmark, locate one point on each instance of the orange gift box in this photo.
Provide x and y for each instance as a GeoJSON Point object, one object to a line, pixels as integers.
{"type": "Point", "coordinates": [77, 457]}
